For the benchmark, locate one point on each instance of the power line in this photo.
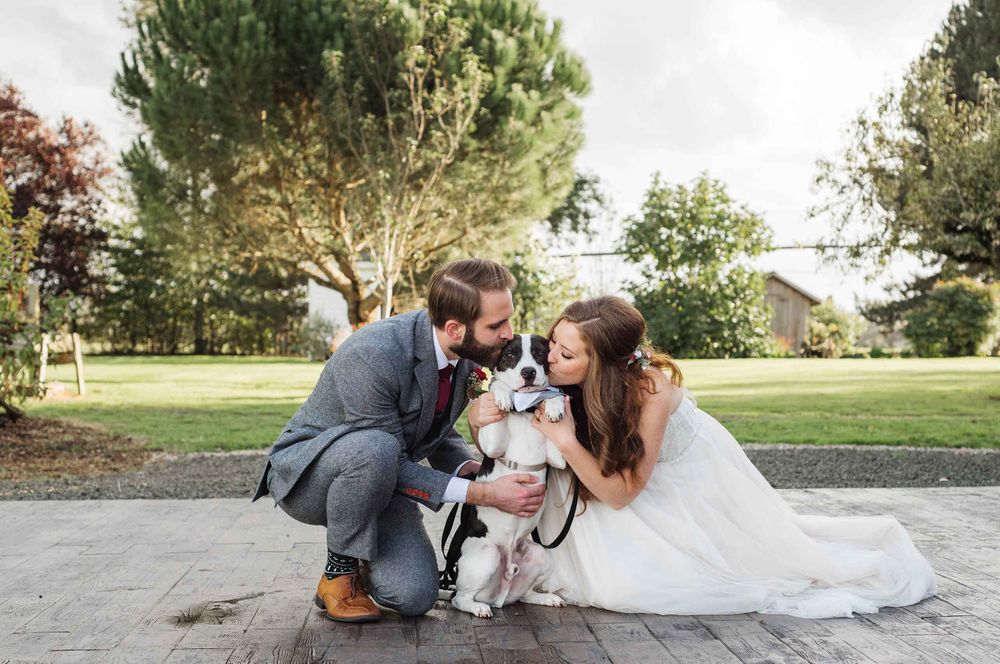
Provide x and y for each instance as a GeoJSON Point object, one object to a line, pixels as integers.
{"type": "Point", "coordinates": [815, 247]}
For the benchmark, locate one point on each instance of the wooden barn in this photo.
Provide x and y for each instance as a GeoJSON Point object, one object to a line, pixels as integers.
{"type": "Point", "coordinates": [791, 305]}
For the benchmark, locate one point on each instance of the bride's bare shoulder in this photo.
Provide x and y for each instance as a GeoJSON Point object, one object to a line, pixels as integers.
{"type": "Point", "coordinates": [665, 393]}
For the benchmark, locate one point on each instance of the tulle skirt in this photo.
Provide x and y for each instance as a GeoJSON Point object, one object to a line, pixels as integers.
{"type": "Point", "coordinates": [708, 535]}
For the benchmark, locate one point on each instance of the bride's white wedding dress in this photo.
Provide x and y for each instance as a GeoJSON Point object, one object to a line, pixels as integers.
{"type": "Point", "coordinates": [708, 535]}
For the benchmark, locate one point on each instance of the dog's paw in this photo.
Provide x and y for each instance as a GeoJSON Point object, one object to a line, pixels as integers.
{"type": "Point", "coordinates": [504, 400]}
{"type": "Point", "coordinates": [555, 409]}
{"type": "Point", "coordinates": [481, 610]}
{"type": "Point", "coordinates": [464, 602]}
{"type": "Point", "coordinates": [543, 599]}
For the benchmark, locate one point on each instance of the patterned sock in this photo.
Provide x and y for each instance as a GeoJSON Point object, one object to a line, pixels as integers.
{"type": "Point", "coordinates": [338, 565]}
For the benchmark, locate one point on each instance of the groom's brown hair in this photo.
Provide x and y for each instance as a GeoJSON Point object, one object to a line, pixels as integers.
{"type": "Point", "coordinates": [454, 289]}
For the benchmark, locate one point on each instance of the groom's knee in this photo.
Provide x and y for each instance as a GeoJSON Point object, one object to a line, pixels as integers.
{"type": "Point", "coordinates": [408, 584]}
{"type": "Point", "coordinates": [409, 599]}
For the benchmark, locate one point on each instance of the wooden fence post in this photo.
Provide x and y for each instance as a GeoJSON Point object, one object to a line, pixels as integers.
{"type": "Point", "coordinates": [45, 359]}
{"type": "Point", "coordinates": [78, 361]}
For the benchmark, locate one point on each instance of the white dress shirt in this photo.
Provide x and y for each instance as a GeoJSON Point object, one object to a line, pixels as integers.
{"type": "Point", "coordinates": [458, 487]}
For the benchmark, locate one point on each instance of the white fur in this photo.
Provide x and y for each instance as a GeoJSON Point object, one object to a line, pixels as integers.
{"type": "Point", "coordinates": [505, 566]}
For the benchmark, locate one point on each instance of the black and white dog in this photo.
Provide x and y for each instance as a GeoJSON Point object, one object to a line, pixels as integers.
{"type": "Point", "coordinates": [499, 563]}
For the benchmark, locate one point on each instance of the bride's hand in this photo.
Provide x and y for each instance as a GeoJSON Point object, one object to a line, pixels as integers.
{"type": "Point", "coordinates": [561, 433]}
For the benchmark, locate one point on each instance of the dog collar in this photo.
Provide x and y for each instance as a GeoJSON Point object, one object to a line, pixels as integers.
{"type": "Point", "coordinates": [526, 467]}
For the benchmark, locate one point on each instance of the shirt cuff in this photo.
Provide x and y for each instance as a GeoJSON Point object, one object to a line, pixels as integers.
{"type": "Point", "coordinates": [456, 491]}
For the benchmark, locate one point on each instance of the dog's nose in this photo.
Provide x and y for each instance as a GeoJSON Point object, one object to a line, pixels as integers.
{"type": "Point", "coordinates": [528, 374]}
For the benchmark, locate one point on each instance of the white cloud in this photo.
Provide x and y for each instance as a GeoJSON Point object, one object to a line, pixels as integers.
{"type": "Point", "coordinates": [754, 92]}
{"type": "Point", "coordinates": [63, 56]}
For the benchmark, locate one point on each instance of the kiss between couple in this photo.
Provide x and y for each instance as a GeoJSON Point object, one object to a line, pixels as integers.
{"type": "Point", "coordinates": [674, 517]}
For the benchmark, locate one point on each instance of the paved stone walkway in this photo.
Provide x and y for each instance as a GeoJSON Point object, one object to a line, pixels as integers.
{"type": "Point", "coordinates": [226, 581]}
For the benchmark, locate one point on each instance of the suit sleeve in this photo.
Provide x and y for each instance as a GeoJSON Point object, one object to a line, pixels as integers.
{"type": "Point", "coordinates": [452, 452]}
{"type": "Point", "coordinates": [369, 391]}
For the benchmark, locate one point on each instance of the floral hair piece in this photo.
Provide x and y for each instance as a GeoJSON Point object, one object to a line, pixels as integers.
{"type": "Point", "coordinates": [640, 356]}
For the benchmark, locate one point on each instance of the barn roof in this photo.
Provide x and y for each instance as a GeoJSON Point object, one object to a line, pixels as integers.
{"type": "Point", "coordinates": [795, 287]}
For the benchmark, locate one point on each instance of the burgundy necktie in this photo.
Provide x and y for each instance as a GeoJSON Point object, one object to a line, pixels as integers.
{"type": "Point", "coordinates": [444, 388]}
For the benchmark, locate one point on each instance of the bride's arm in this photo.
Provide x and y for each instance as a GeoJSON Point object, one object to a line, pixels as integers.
{"type": "Point", "coordinates": [621, 488]}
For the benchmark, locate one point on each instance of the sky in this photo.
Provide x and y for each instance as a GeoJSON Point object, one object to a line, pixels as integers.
{"type": "Point", "coordinates": [752, 92]}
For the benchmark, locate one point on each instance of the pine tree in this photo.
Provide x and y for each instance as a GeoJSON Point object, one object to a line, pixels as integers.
{"type": "Point", "coordinates": [321, 134]}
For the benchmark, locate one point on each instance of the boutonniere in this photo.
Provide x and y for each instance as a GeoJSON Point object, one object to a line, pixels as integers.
{"type": "Point", "coordinates": [478, 383]}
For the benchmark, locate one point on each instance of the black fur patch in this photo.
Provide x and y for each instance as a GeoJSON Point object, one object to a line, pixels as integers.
{"type": "Point", "coordinates": [510, 355]}
{"type": "Point", "coordinates": [486, 467]}
{"type": "Point", "coordinates": [540, 350]}
{"type": "Point", "coordinates": [471, 525]}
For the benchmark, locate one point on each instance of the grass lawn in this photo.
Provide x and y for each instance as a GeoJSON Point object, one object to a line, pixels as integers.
{"type": "Point", "coordinates": [210, 403]}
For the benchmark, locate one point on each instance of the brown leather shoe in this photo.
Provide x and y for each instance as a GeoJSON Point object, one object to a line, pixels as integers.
{"type": "Point", "coordinates": [345, 600]}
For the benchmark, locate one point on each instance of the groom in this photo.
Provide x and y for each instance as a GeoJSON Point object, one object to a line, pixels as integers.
{"type": "Point", "coordinates": [387, 399]}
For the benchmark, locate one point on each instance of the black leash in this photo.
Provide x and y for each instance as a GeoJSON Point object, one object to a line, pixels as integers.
{"type": "Point", "coordinates": [448, 576]}
{"type": "Point", "coordinates": [569, 520]}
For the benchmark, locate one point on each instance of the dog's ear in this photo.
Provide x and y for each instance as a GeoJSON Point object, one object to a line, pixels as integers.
{"type": "Point", "coordinates": [540, 350]}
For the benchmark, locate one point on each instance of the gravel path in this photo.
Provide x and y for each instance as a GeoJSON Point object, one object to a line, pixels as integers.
{"type": "Point", "coordinates": [235, 475]}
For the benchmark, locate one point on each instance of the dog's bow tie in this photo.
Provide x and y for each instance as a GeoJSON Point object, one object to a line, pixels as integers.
{"type": "Point", "coordinates": [525, 400]}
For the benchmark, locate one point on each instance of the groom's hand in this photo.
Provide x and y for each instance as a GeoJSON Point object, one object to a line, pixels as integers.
{"type": "Point", "coordinates": [520, 494]}
{"type": "Point", "coordinates": [484, 411]}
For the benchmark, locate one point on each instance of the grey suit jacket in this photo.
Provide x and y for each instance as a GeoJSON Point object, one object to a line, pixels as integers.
{"type": "Point", "coordinates": [383, 377]}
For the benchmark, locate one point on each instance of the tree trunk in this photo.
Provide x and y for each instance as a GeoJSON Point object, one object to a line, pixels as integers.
{"type": "Point", "coordinates": [199, 328]}
{"type": "Point", "coordinates": [13, 412]}
{"type": "Point", "coordinates": [387, 299]}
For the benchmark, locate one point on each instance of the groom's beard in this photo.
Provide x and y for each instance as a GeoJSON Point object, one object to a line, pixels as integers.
{"type": "Point", "coordinates": [481, 354]}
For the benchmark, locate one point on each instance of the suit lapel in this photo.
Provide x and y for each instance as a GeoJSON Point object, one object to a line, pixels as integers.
{"type": "Point", "coordinates": [459, 379]}
{"type": "Point", "coordinates": [426, 373]}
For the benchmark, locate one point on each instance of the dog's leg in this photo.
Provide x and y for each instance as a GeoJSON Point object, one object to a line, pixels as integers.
{"type": "Point", "coordinates": [502, 393]}
{"type": "Point", "coordinates": [535, 569]}
{"type": "Point", "coordinates": [555, 408]}
{"type": "Point", "coordinates": [493, 439]}
{"type": "Point", "coordinates": [554, 412]}
{"type": "Point", "coordinates": [545, 599]}
{"type": "Point", "coordinates": [553, 456]}
{"type": "Point", "coordinates": [477, 566]}
{"type": "Point", "coordinates": [538, 557]}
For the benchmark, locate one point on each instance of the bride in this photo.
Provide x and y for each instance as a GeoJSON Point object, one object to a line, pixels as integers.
{"type": "Point", "coordinates": [674, 518]}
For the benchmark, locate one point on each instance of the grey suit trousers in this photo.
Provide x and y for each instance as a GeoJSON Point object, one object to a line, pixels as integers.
{"type": "Point", "coordinates": [349, 488]}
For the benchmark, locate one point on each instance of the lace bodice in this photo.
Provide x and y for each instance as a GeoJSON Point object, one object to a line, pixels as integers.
{"type": "Point", "coordinates": [681, 429]}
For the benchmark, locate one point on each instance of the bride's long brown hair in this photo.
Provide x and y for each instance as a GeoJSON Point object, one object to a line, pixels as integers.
{"type": "Point", "coordinates": [615, 389]}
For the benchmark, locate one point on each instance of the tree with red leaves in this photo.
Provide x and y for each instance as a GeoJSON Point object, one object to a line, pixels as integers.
{"type": "Point", "coordinates": [58, 171]}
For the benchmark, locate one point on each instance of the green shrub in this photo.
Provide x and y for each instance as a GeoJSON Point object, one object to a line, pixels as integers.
{"type": "Point", "coordinates": [779, 347]}
{"type": "Point", "coordinates": [878, 352]}
{"type": "Point", "coordinates": [698, 290]}
{"type": "Point", "coordinates": [832, 332]}
{"type": "Point", "coordinates": [20, 337]}
{"type": "Point", "coordinates": [314, 337]}
{"type": "Point", "coordinates": [959, 317]}
{"type": "Point", "coordinates": [156, 301]}
{"type": "Point", "coordinates": [708, 318]}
